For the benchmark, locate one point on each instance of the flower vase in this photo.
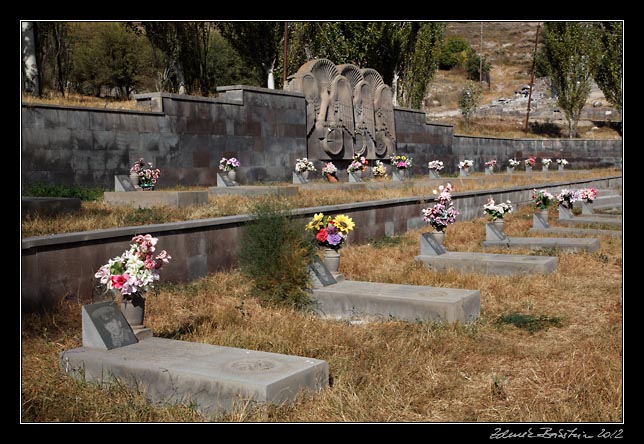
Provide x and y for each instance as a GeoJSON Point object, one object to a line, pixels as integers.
{"type": "Point", "coordinates": [330, 177]}
{"type": "Point", "coordinates": [544, 215]}
{"type": "Point", "coordinates": [560, 167]}
{"type": "Point", "coordinates": [510, 170]}
{"type": "Point", "coordinates": [433, 174]}
{"type": "Point", "coordinates": [305, 174]}
{"type": "Point", "coordinates": [134, 178]}
{"type": "Point", "coordinates": [331, 259]}
{"type": "Point", "coordinates": [147, 186]}
{"type": "Point", "coordinates": [133, 309]}
{"type": "Point", "coordinates": [232, 175]}
{"type": "Point", "coordinates": [464, 172]}
{"type": "Point", "coordinates": [528, 169]}
{"type": "Point", "coordinates": [439, 236]}
{"type": "Point", "coordinates": [544, 169]}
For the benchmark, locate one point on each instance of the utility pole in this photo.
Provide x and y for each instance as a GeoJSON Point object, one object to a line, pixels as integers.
{"type": "Point", "coordinates": [481, 56]}
{"type": "Point", "coordinates": [534, 61]}
{"type": "Point", "coordinates": [285, 53]}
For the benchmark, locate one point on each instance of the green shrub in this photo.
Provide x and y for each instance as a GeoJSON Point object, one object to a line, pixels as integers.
{"type": "Point", "coordinates": [453, 53]}
{"type": "Point", "coordinates": [274, 254]}
{"type": "Point", "coordinates": [40, 189]}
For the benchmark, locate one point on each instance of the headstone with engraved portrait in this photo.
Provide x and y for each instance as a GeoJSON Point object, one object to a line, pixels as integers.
{"type": "Point", "coordinates": [105, 327]}
{"type": "Point", "coordinates": [320, 275]}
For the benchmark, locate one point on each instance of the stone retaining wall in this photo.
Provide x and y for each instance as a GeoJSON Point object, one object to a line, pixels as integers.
{"type": "Point", "coordinates": [63, 265]}
{"type": "Point", "coordinates": [265, 129]}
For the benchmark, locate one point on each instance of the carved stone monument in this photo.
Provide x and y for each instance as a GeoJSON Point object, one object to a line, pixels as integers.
{"type": "Point", "coordinates": [349, 111]}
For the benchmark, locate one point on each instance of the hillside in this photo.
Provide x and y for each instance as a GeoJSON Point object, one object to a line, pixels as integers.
{"type": "Point", "coordinates": [509, 47]}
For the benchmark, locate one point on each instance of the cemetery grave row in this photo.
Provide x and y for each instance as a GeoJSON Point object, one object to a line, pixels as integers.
{"type": "Point", "coordinates": [213, 378]}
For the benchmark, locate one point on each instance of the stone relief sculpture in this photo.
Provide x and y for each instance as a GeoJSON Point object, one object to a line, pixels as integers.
{"type": "Point", "coordinates": [363, 114]}
{"type": "Point", "coordinates": [349, 111]}
{"type": "Point", "coordinates": [385, 123]}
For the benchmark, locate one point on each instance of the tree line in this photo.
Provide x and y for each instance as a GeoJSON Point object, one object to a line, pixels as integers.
{"type": "Point", "coordinates": [120, 58]}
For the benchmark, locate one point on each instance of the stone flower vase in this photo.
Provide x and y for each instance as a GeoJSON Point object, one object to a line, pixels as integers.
{"type": "Point", "coordinates": [560, 167]}
{"type": "Point", "coordinates": [133, 309]}
{"type": "Point", "coordinates": [232, 174]}
{"type": "Point", "coordinates": [439, 236]}
{"type": "Point", "coordinates": [134, 178]}
{"type": "Point", "coordinates": [331, 259]}
{"type": "Point", "coordinates": [305, 174]}
{"type": "Point", "coordinates": [528, 169]}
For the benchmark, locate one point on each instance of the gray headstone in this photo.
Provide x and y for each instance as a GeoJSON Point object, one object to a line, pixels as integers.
{"type": "Point", "coordinates": [298, 179]}
{"type": "Point", "coordinates": [565, 213]}
{"type": "Point", "coordinates": [320, 275]}
{"type": "Point", "coordinates": [429, 246]}
{"type": "Point", "coordinates": [539, 222]}
{"type": "Point", "coordinates": [397, 175]}
{"type": "Point", "coordinates": [224, 181]}
{"type": "Point", "coordinates": [105, 327]}
{"type": "Point", "coordinates": [492, 232]}
{"type": "Point", "coordinates": [123, 183]}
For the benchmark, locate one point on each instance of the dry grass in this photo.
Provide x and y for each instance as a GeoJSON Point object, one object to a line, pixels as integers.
{"type": "Point", "coordinates": [100, 215]}
{"type": "Point", "coordinates": [388, 371]}
{"type": "Point", "coordinates": [78, 100]}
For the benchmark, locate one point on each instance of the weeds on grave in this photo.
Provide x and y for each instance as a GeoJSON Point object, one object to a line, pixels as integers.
{"type": "Point", "coordinates": [530, 323]}
{"type": "Point", "coordinates": [144, 216]}
{"type": "Point", "coordinates": [39, 189]}
{"type": "Point", "coordinates": [274, 254]}
{"type": "Point", "coordinates": [387, 241]}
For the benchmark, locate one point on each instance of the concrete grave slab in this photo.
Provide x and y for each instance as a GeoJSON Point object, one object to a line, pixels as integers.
{"type": "Point", "coordinates": [576, 231]}
{"type": "Point", "coordinates": [372, 301]}
{"type": "Point", "coordinates": [337, 298]}
{"type": "Point", "coordinates": [210, 377]}
{"type": "Point", "coordinates": [436, 257]}
{"type": "Point", "coordinates": [567, 217]}
{"type": "Point", "coordinates": [568, 244]}
{"type": "Point", "coordinates": [147, 199]}
{"type": "Point", "coordinates": [497, 238]}
{"type": "Point", "coordinates": [490, 263]}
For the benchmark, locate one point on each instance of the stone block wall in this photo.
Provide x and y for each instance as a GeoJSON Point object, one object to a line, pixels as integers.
{"type": "Point", "coordinates": [265, 129]}
{"type": "Point", "coordinates": [581, 153]}
{"type": "Point", "coordinates": [182, 135]}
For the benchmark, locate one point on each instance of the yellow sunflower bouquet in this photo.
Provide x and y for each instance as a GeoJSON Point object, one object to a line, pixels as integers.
{"type": "Point", "coordinates": [330, 232]}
